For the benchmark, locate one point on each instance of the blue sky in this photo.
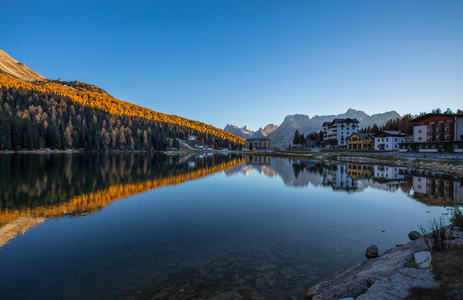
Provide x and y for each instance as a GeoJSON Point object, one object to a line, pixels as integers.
{"type": "Point", "coordinates": [248, 62]}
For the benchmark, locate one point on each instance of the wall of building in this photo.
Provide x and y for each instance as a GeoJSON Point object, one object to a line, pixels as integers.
{"type": "Point", "coordinates": [420, 134]}
{"type": "Point", "coordinates": [459, 128]}
{"type": "Point", "coordinates": [389, 143]}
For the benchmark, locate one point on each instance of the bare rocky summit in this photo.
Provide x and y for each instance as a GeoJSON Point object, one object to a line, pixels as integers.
{"type": "Point", "coordinates": [11, 67]}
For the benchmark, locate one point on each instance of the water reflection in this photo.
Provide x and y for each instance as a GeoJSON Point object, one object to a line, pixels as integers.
{"type": "Point", "coordinates": [36, 187]}
{"type": "Point", "coordinates": [428, 187]}
{"type": "Point", "coordinates": [251, 234]}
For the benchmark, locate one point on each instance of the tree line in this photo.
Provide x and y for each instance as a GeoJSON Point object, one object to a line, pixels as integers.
{"type": "Point", "coordinates": [402, 124]}
{"type": "Point", "coordinates": [57, 116]}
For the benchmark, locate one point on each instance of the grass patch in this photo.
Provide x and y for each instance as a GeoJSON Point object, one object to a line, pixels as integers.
{"type": "Point", "coordinates": [448, 271]}
{"type": "Point", "coordinates": [456, 216]}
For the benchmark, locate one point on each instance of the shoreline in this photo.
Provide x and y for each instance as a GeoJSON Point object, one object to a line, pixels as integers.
{"type": "Point", "coordinates": [390, 276]}
{"type": "Point", "coordinates": [453, 167]}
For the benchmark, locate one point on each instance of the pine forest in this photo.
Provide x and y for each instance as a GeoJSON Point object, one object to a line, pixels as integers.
{"type": "Point", "coordinates": [73, 115]}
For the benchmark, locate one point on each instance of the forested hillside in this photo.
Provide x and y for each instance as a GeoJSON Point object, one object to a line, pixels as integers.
{"type": "Point", "coordinates": [74, 115]}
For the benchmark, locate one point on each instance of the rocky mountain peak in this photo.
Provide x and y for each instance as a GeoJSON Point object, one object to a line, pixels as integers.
{"type": "Point", "coordinates": [19, 70]}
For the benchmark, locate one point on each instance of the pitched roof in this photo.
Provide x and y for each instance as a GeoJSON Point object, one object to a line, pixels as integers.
{"type": "Point", "coordinates": [362, 135]}
{"type": "Point", "coordinates": [390, 133]}
{"type": "Point", "coordinates": [419, 118]}
{"type": "Point", "coordinates": [346, 120]}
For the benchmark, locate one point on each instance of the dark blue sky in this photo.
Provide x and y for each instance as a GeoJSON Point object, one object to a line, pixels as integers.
{"type": "Point", "coordinates": [248, 62]}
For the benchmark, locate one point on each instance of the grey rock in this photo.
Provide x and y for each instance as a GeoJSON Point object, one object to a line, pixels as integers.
{"type": "Point", "coordinates": [372, 252]}
{"type": "Point", "coordinates": [358, 279]}
{"type": "Point", "coordinates": [414, 235]}
{"type": "Point", "coordinates": [423, 259]}
{"type": "Point", "coordinates": [398, 285]}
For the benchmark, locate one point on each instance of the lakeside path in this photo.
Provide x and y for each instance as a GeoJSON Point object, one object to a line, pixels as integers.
{"type": "Point", "coordinates": [451, 163]}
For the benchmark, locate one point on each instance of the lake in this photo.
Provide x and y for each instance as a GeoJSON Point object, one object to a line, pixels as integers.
{"type": "Point", "coordinates": [150, 226]}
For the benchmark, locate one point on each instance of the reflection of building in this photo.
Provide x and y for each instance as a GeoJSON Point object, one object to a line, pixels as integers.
{"type": "Point", "coordinates": [258, 143]}
{"type": "Point", "coordinates": [388, 173]}
{"type": "Point", "coordinates": [438, 191]}
{"type": "Point", "coordinates": [339, 179]}
{"type": "Point", "coordinates": [437, 132]}
{"type": "Point", "coordinates": [388, 140]}
{"type": "Point", "coordinates": [360, 141]}
{"type": "Point", "coordinates": [257, 159]}
{"type": "Point", "coordinates": [458, 190]}
{"type": "Point", "coordinates": [336, 132]}
{"type": "Point", "coordinates": [357, 171]}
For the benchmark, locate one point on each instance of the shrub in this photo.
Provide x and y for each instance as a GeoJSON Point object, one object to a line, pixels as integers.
{"type": "Point", "coordinates": [456, 216]}
{"type": "Point", "coordinates": [435, 235]}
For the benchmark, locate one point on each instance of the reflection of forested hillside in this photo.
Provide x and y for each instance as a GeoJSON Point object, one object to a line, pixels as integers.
{"type": "Point", "coordinates": [47, 186]}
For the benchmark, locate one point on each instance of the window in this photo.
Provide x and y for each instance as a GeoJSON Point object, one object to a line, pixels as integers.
{"type": "Point", "coordinates": [419, 131]}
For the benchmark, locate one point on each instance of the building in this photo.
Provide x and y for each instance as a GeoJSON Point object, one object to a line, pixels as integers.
{"type": "Point", "coordinates": [258, 143]}
{"type": "Point", "coordinates": [360, 141]}
{"type": "Point", "coordinates": [388, 140]}
{"type": "Point", "coordinates": [337, 132]}
{"type": "Point", "coordinates": [436, 132]}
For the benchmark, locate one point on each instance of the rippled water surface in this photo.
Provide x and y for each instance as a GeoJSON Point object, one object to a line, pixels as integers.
{"type": "Point", "coordinates": [134, 226]}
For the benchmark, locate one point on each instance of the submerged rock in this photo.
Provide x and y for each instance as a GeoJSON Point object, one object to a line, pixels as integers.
{"type": "Point", "coordinates": [372, 252]}
{"type": "Point", "coordinates": [414, 235]}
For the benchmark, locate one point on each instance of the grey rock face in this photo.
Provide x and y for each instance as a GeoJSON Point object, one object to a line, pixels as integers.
{"type": "Point", "coordinates": [414, 235]}
{"type": "Point", "coordinates": [372, 252]}
{"type": "Point", "coordinates": [243, 132]}
{"type": "Point", "coordinates": [398, 285]}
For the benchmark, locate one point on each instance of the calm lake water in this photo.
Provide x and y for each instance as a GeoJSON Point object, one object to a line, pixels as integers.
{"type": "Point", "coordinates": [131, 226]}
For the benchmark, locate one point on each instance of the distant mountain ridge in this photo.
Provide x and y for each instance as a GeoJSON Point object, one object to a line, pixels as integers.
{"type": "Point", "coordinates": [282, 135]}
{"type": "Point", "coordinates": [245, 132]}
